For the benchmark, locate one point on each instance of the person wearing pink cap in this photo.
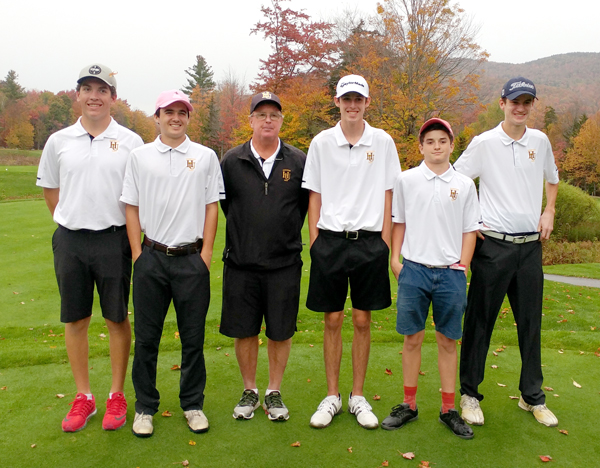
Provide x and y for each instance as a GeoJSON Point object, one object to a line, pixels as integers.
{"type": "Point", "coordinates": [81, 172]}
{"type": "Point", "coordinates": [436, 216]}
{"type": "Point", "coordinates": [171, 189]}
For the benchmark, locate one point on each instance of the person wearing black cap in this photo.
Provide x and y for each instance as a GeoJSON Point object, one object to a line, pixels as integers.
{"type": "Point", "coordinates": [511, 162]}
{"type": "Point", "coordinates": [435, 216]}
{"type": "Point", "coordinates": [265, 208]}
{"type": "Point", "coordinates": [81, 171]}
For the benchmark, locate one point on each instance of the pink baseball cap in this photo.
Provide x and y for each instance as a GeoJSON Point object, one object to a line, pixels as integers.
{"type": "Point", "coordinates": [167, 98]}
{"type": "Point", "coordinates": [435, 120]}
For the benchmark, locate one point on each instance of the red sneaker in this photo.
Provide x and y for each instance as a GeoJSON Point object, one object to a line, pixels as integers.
{"type": "Point", "coordinates": [116, 412]}
{"type": "Point", "coordinates": [82, 410]}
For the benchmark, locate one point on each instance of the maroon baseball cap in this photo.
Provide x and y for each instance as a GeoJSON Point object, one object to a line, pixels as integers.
{"type": "Point", "coordinates": [435, 120]}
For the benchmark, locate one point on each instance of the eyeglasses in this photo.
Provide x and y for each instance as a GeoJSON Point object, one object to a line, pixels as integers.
{"type": "Point", "coordinates": [263, 115]}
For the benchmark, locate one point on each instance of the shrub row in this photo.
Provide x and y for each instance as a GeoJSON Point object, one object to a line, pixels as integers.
{"type": "Point", "coordinates": [557, 253]}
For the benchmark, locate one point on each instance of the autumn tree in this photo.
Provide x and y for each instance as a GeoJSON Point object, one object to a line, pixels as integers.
{"type": "Point", "coordinates": [233, 112]}
{"type": "Point", "coordinates": [10, 88]}
{"type": "Point", "coordinates": [582, 161]}
{"type": "Point", "coordinates": [200, 74]}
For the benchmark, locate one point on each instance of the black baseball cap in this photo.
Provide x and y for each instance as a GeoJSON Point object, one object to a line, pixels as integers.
{"type": "Point", "coordinates": [517, 86]}
{"type": "Point", "coordinates": [265, 96]}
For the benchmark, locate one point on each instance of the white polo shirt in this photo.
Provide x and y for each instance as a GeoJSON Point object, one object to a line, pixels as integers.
{"type": "Point", "coordinates": [437, 210]}
{"type": "Point", "coordinates": [511, 177]}
{"type": "Point", "coordinates": [172, 187]}
{"type": "Point", "coordinates": [89, 174]}
{"type": "Point", "coordinates": [353, 180]}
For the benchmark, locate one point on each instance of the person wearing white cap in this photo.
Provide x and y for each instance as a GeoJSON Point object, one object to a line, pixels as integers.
{"type": "Point", "coordinates": [171, 189]}
{"type": "Point", "coordinates": [350, 172]}
{"type": "Point", "coordinates": [81, 171]}
{"type": "Point", "coordinates": [511, 162]}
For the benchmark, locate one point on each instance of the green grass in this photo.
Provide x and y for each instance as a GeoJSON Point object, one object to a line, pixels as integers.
{"type": "Point", "coordinates": [7, 152]}
{"type": "Point", "coordinates": [18, 182]}
{"type": "Point", "coordinates": [33, 368]}
{"type": "Point", "coordinates": [585, 270]}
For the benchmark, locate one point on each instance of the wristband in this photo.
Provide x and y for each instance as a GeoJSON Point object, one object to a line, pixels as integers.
{"type": "Point", "coordinates": [458, 266]}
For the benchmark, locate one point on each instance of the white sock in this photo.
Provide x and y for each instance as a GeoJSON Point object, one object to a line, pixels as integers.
{"type": "Point", "coordinates": [255, 390]}
{"type": "Point", "coordinates": [269, 391]}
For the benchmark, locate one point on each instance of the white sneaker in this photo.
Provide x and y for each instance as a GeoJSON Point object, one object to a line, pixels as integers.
{"type": "Point", "coordinates": [142, 425]}
{"type": "Point", "coordinates": [358, 406]}
{"type": "Point", "coordinates": [328, 408]}
{"type": "Point", "coordinates": [197, 421]}
{"type": "Point", "coordinates": [246, 406]}
{"type": "Point", "coordinates": [471, 411]}
{"type": "Point", "coordinates": [541, 413]}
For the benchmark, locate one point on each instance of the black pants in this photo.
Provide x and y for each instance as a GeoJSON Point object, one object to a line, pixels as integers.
{"type": "Point", "coordinates": [499, 268]}
{"type": "Point", "coordinates": [157, 279]}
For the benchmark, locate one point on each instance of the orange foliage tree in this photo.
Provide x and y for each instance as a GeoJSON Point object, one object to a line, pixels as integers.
{"type": "Point", "coordinates": [582, 161]}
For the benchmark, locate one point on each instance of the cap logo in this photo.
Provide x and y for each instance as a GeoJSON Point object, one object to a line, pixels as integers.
{"type": "Point", "coordinates": [352, 82]}
{"type": "Point", "coordinates": [370, 156]}
{"type": "Point", "coordinates": [531, 155]}
{"type": "Point", "coordinates": [453, 194]}
{"type": "Point", "coordinates": [266, 95]}
{"type": "Point", "coordinates": [95, 70]}
{"type": "Point", "coordinates": [114, 145]}
{"type": "Point", "coordinates": [191, 164]}
{"type": "Point", "coordinates": [287, 174]}
{"type": "Point", "coordinates": [520, 84]}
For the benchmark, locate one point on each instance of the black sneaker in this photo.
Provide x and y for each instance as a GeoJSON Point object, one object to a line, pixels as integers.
{"type": "Point", "coordinates": [400, 415]}
{"type": "Point", "coordinates": [274, 407]}
{"type": "Point", "coordinates": [456, 424]}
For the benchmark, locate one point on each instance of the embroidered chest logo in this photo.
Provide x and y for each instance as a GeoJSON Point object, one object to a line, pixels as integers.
{"type": "Point", "coordinates": [287, 174]}
{"type": "Point", "coordinates": [370, 156]}
{"type": "Point", "coordinates": [453, 194]}
{"type": "Point", "coordinates": [531, 155]}
{"type": "Point", "coordinates": [114, 145]}
{"type": "Point", "coordinates": [191, 164]}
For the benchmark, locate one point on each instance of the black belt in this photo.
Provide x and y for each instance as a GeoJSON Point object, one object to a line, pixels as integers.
{"type": "Point", "coordinates": [512, 239]}
{"type": "Point", "coordinates": [101, 231]}
{"type": "Point", "coordinates": [174, 251]}
{"type": "Point", "coordinates": [350, 235]}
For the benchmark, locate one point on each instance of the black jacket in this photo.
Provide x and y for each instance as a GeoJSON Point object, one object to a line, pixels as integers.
{"type": "Point", "coordinates": [264, 216]}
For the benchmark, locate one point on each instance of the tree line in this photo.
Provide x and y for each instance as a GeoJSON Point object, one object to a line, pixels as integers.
{"type": "Point", "coordinates": [420, 58]}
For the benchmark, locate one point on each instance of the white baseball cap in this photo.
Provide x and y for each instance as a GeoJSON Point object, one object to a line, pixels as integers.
{"type": "Point", "coordinates": [352, 83]}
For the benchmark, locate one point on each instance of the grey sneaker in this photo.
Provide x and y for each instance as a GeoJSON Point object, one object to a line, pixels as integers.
{"type": "Point", "coordinates": [197, 421]}
{"type": "Point", "coordinates": [246, 406]}
{"type": "Point", "coordinates": [142, 425]}
{"type": "Point", "coordinates": [274, 407]}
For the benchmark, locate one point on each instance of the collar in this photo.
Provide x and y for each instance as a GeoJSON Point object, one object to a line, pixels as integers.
{"type": "Point", "coordinates": [365, 140]}
{"type": "Point", "coordinates": [111, 132]}
{"type": "Point", "coordinates": [429, 174]}
{"type": "Point", "coordinates": [506, 140]}
{"type": "Point", "coordinates": [182, 148]}
{"type": "Point", "coordinates": [257, 156]}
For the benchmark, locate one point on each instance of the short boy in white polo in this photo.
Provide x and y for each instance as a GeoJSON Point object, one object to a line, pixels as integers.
{"type": "Point", "coordinates": [81, 172]}
{"type": "Point", "coordinates": [436, 216]}
{"type": "Point", "coordinates": [350, 172]}
{"type": "Point", "coordinates": [511, 162]}
{"type": "Point", "coordinates": [171, 188]}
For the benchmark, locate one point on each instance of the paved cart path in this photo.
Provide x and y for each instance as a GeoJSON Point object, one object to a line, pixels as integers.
{"type": "Point", "coordinates": [589, 282]}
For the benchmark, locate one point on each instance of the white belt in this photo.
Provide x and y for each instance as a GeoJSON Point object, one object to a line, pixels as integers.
{"type": "Point", "coordinates": [512, 239]}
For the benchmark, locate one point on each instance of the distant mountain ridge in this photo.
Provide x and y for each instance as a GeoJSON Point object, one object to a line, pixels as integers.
{"type": "Point", "coordinates": [564, 81]}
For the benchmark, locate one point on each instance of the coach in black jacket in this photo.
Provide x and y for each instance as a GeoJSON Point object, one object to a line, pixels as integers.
{"type": "Point", "coordinates": [265, 208]}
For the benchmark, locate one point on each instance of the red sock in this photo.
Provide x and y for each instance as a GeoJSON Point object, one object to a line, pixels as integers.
{"type": "Point", "coordinates": [447, 401]}
{"type": "Point", "coordinates": [410, 397]}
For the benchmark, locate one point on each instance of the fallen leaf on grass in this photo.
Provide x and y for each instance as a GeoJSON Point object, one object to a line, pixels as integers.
{"type": "Point", "coordinates": [33, 445]}
{"type": "Point", "coordinates": [424, 464]}
{"type": "Point", "coordinates": [494, 353]}
{"type": "Point", "coordinates": [422, 373]}
{"type": "Point", "coordinates": [260, 341]}
{"type": "Point", "coordinates": [349, 449]}
{"type": "Point", "coordinates": [175, 367]}
{"type": "Point", "coordinates": [59, 395]}
{"type": "Point", "coordinates": [407, 455]}
{"type": "Point", "coordinates": [376, 397]}
{"type": "Point", "coordinates": [499, 350]}
{"type": "Point", "coordinates": [227, 354]}
{"type": "Point", "coordinates": [176, 335]}
{"type": "Point", "coordinates": [575, 384]}
{"type": "Point", "coordinates": [494, 366]}
{"type": "Point", "coordinates": [556, 395]}
{"type": "Point", "coordinates": [15, 292]}
{"type": "Point", "coordinates": [101, 335]}
{"type": "Point", "coordinates": [191, 442]}
{"type": "Point", "coordinates": [166, 414]}
{"type": "Point", "coordinates": [560, 351]}
{"type": "Point", "coordinates": [561, 321]}
{"type": "Point", "coordinates": [501, 384]}
{"type": "Point", "coordinates": [3, 388]}
{"type": "Point", "coordinates": [388, 371]}
{"type": "Point", "coordinates": [308, 380]}
{"type": "Point", "coordinates": [385, 463]}
{"type": "Point", "coordinates": [513, 397]}
{"type": "Point", "coordinates": [549, 389]}
{"type": "Point", "coordinates": [312, 345]}
{"type": "Point", "coordinates": [399, 352]}
{"type": "Point", "coordinates": [563, 431]}
{"type": "Point", "coordinates": [296, 444]}
{"type": "Point", "coordinates": [218, 348]}
{"type": "Point", "coordinates": [581, 352]}
{"type": "Point", "coordinates": [545, 458]}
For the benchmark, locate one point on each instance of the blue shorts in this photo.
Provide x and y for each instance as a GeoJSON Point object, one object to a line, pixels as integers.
{"type": "Point", "coordinates": [419, 287]}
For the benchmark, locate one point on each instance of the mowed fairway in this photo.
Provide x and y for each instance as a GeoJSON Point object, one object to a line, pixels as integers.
{"type": "Point", "coordinates": [33, 370]}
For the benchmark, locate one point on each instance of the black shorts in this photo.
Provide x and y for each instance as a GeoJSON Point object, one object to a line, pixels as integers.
{"type": "Point", "coordinates": [250, 295]}
{"type": "Point", "coordinates": [84, 258]}
{"type": "Point", "coordinates": [336, 260]}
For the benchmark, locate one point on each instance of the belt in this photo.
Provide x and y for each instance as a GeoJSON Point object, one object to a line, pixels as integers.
{"type": "Point", "coordinates": [454, 266]}
{"type": "Point", "coordinates": [101, 231]}
{"type": "Point", "coordinates": [513, 239]}
{"type": "Point", "coordinates": [350, 235]}
{"type": "Point", "coordinates": [174, 251]}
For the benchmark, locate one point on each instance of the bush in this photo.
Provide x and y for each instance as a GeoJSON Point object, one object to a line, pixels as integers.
{"type": "Point", "coordinates": [577, 215]}
{"type": "Point", "coordinates": [557, 253]}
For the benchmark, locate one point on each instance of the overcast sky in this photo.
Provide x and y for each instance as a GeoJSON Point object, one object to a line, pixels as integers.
{"type": "Point", "coordinates": [150, 43]}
